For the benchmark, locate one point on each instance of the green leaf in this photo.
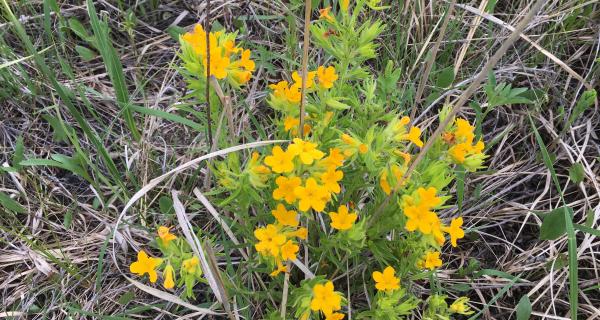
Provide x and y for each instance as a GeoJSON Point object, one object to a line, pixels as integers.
{"type": "Point", "coordinates": [445, 78]}
{"type": "Point", "coordinates": [10, 204]}
{"type": "Point", "coordinates": [576, 172]}
{"type": "Point", "coordinates": [524, 308]}
{"type": "Point", "coordinates": [78, 29]}
{"type": "Point", "coordinates": [126, 297]}
{"type": "Point", "coordinates": [85, 53]}
{"type": "Point", "coordinates": [554, 224]}
{"type": "Point", "coordinates": [166, 205]}
{"type": "Point", "coordinates": [114, 67]}
{"type": "Point", "coordinates": [585, 101]}
{"type": "Point", "coordinates": [68, 219]}
{"type": "Point", "coordinates": [59, 134]}
{"type": "Point", "coordinates": [18, 156]}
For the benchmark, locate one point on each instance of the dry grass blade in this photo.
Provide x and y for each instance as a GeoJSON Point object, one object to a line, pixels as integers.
{"type": "Point", "coordinates": [307, 11]}
{"type": "Point", "coordinates": [461, 101]}
{"type": "Point", "coordinates": [171, 298]}
{"type": "Point", "coordinates": [545, 52]}
{"type": "Point", "coordinates": [194, 242]}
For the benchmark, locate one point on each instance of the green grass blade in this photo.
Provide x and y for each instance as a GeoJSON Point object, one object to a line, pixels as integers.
{"type": "Point", "coordinates": [113, 67]}
{"type": "Point", "coordinates": [572, 244]}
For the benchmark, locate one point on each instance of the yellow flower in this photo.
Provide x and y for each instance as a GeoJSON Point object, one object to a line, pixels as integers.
{"type": "Point", "coordinates": [458, 152]}
{"type": "Point", "coordinates": [455, 231]}
{"type": "Point", "coordinates": [285, 217]}
{"type": "Point", "coordinates": [327, 76]}
{"type": "Point", "coordinates": [419, 218]}
{"type": "Point", "coordinates": [289, 250]}
{"type": "Point", "coordinates": [334, 159]}
{"type": "Point", "coordinates": [464, 131]}
{"type": "Point", "coordinates": [290, 123]}
{"type": "Point", "coordinates": [270, 240]}
{"type": "Point", "coordinates": [218, 64]}
{"type": "Point", "coordinates": [230, 47]}
{"type": "Point", "coordinates": [353, 145]}
{"type": "Point", "coordinates": [432, 260]}
{"type": "Point", "coordinates": [301, 233]}
{"type": "Point", "coordinates": [344, 4]}
{"type": "Point", "coordinates": [310, 80]}
{"type": "Point", "coordinates": [312, 195]}
{"type": "Point", "coordinates": [460, 306]}
{"type": "Point", "coordinates": [190, 265]}
{"type": "Point", "coordinates": [280, 268]}
{"type": "Point", "coordinates": [165, 236]}
{"type": "Point", "coordinates": [330, 180]}
{"type": "Point", "coordinates": [279, 89]}
{"type": "Point", "coordinates": [169, 274]}
{"type": "Point", "coordinates": [245, 61]}
{"type": "Point", "coordinates": [414, 136]}
{"type": "Point", "coordinates": [285, 188]}
{"type": "Point", "coordinates": [383, 182]}
{"type": "Point", "coordinates": [325, 299]}
{"type": "Point", "coordinates": [306, 150]}
{"type": "Point", "coordinates": [342, 220]}
{"type": "Point", "coordinates": [386, 281]}
{"type": "Point", "coordinates": [437, 231]}
{"type": "Point", "coordinates": [324, 14]}
{"type": "Point", "coordinates": [145, 264]}
{"type": "Point", "coordinates": [334, 316]}
{"type": "Point", "coordinates": [428, 197]}
{"type": "Point", "coordinates": [280, 161]}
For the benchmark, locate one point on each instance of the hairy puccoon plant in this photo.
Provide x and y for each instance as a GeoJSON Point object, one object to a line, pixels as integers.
{"type": "Point", "coordinates": [313, 199]}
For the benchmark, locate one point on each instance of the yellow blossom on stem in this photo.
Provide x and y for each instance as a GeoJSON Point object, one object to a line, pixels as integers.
{"type": "Point", "coordinates": [414, 136]}
{"type": "Point", "coordinates": [460, 306]}
{"type": "Point", "coordinates": [285, 188]}
{"type": "Point", "coordinates": [455, 231]}
{"type": "Point", "coordinates": [342, 220]}
{"type": "Point", "coordinates": [432, 260]}
{"type": "Point", "coordinates": [325, 298]}
{"type": "Point", "coordinates": [165, 235]}
{"type": "Point", "coordinates": [145, 264]}
{"type": "Point", "coordinates": [334, 316]}
{"type": "Point", "coordinates": [289, 250]}
{"type": "Point", "coordinates": [327, 76]}
{"type": "Point", "coordinates": [285, 217]}
{"type": "Point", "coordinates": [419, 218]}
{"type": "Point", "coordinates": [310, 80]}
{"type": "Point", "coordinates": [191, 265]}
{"type": "Point", "coordinates": [386, 281]}
{"type": "Point", "coordinates": [280, 268]}
{"type": "Point", "coordinates": [300, 233]}
{"type": "Point", "coordinates": [306, 150]}
{"type": "Point", "coordinates": [334, 159]}
{"type": "Point", "coordinates": [312, 195]}
{"type": "Point", "coordinates": [344, 4]}
{"type": "Point", "coordinates": [169, 275]}
{"type": "Point", "coordinates": [330, 180]}
{"type": "Point", "coordinates": [270, 240]}
{"type": "Point", "coordinates": [324, 14]}
{"type": "Point", "coordinates": [280, 161]}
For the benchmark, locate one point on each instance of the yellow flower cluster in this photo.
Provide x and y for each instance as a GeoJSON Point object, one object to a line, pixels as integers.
{"type": "Point", "coordinates": [290, 93]}
{"type": "Point", "coordinates": [326, 300]}
{"type": "Point", "coordinates": [463, 149]}
{"type": "Point", "coordinates": [322, 180]}
{"type": "Point", "coordinates": [278, 240]}
{"type": "Point", "coordinates": [351, 145]}
{"type": "Point", "coordinates": [418, 207]}
{"type": "Point", "coordinates": [226, 59]}
{"type": "Point", "coordinates": [306, 179]}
